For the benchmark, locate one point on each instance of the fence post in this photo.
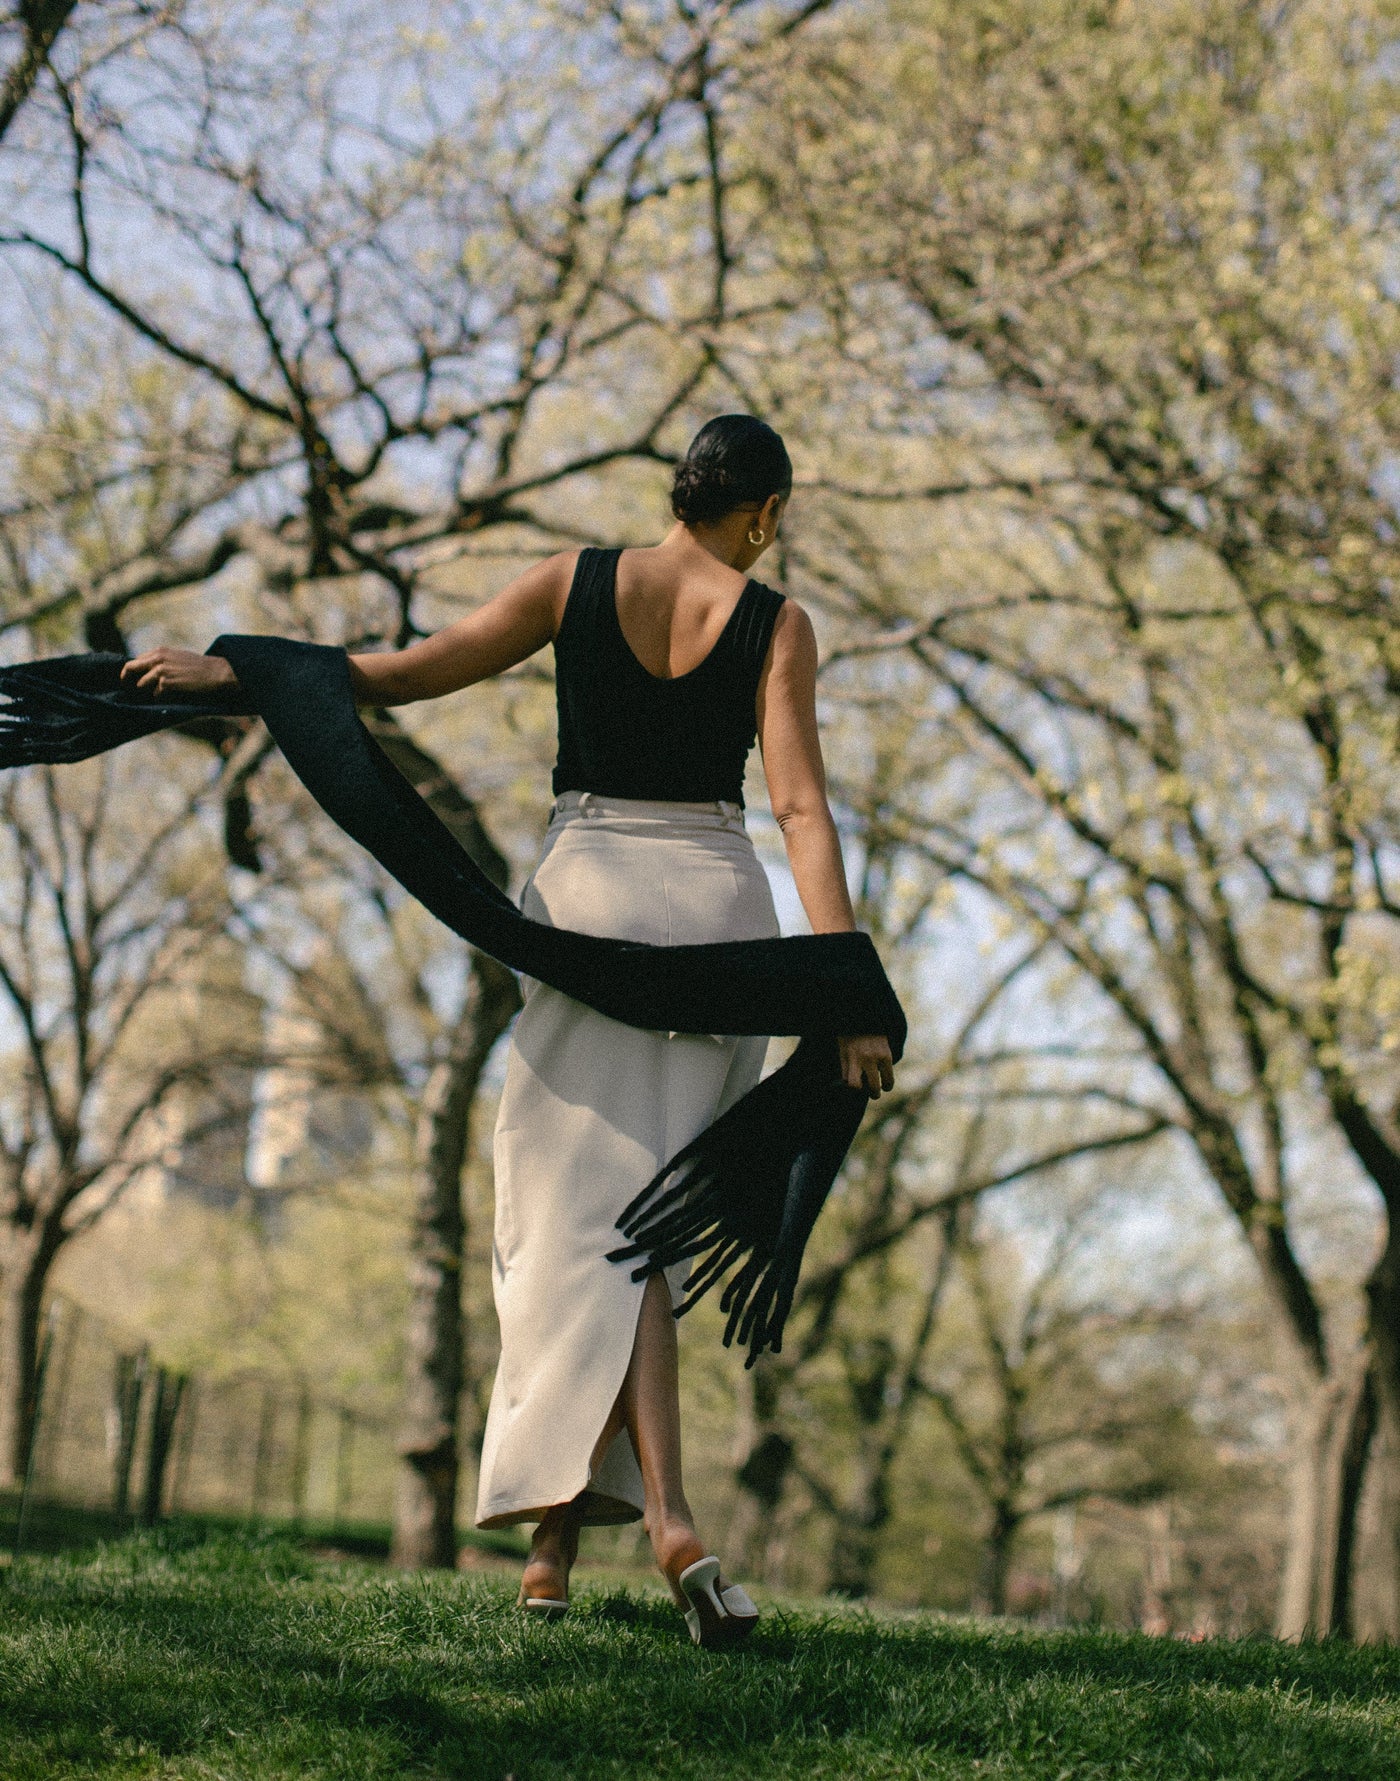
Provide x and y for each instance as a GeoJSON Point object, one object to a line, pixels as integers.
{"type": "Point", "coordinates": [262, 1453]}
{"type": "Point", "coordinates": [301, 1454]}
{"type": "Point", "coordinates": [184, 1449]}
{"type": "Point", "coordinates": [345, 1434]}
{"type": "Point", "coordinates": [165, 1407]}
{"type": "Point", "coordinates": [56, 1379]}
{"type": "Point", "coordinates": [128, 1387]}
{"type": "Point", "coordinates": [41, 1367]}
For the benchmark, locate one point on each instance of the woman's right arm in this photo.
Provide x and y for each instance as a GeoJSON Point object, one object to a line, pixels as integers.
{"type": "Point", "coordinates": [521, 619]}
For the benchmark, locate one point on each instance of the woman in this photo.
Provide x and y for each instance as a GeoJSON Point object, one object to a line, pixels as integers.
{"type": "Point", "coordinates": [670, 662]}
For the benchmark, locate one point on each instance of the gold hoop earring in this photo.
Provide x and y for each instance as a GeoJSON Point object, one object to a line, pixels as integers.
{"type": "Point", "coordinates": [756, 535]}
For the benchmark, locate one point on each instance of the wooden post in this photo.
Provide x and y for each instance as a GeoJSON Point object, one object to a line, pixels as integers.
{"type": "Point", "coordinates": [184, 1448]}
{"type": "Point", "coordinates": [128, 1387]}
{"type": "Point", "coordinates": [262, 1452]}
{"type": "Point", "coordinates": [301, 1455]}
{"type": "Point", "coordinates": [165, 1408]}
{"type": "Point", "coordinates": [345, 1435]}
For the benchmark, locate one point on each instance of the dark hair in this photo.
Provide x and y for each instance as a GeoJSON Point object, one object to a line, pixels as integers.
{"type": "Point", "coordinates": [733, 461]}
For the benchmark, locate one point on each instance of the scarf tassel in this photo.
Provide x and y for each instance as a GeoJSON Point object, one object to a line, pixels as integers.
{"type": "Point", "coordinates": [746, 1193]}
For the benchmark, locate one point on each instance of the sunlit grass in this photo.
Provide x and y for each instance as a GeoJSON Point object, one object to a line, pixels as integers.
{"type": "Point", "coordinates": [238, 1657]}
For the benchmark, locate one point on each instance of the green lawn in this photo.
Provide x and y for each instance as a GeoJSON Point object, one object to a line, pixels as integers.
{"type": "Point", "coordinates": [234, 1657]}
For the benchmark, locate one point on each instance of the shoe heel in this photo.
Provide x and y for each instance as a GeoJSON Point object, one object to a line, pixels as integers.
{"type": "Point", "coordinates": [707, 1617]}
{"type": "Point", "coordinates": [699, 1579]}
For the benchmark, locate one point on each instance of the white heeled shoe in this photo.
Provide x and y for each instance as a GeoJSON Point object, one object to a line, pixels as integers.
{"type": "Point", "coordinates": [716, 1617]}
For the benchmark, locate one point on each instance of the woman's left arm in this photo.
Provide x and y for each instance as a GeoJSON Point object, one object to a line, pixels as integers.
{"type": "Point", "coordinates": [792, 764]}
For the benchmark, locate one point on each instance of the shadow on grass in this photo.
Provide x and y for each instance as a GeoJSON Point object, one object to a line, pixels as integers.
{"type": "Point", "coordinates": [76, 1529]}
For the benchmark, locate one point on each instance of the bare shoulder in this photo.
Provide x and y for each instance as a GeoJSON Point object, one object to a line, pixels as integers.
{"type": "Point", "coordinates": [553, 574]}
{"type": "Point", "coordinates": [794, 640]}
{"type": "Point", "coordinates": [544, 586]}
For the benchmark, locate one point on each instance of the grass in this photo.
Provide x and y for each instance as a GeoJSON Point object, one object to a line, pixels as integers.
{"type": "Point", "coordinates": [240, 1658]}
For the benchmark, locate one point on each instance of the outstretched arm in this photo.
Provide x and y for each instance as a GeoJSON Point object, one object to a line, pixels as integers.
{"type": "Point", "coordinates": [792, 764]}
{"type": "Point", "coordinates": [521, 619]}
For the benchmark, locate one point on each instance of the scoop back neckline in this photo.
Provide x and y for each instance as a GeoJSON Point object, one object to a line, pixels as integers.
{"type": "Point", "coordinates": [690, 673]}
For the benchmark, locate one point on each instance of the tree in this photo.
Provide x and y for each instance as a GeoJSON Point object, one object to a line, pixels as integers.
{"type": "Point", "coordinates": [379, 1015]}
{"type": "Point", "coordinates": [1124, 273]}
{"type": "Point", "coordinates": [28, 30]}
{"type": "Point", "coordinates": [870, 1299]}
{"type": "Point", "coordinates": [425, 1515]}
{"type": "Point", "coordinates": [1035, 1392]}
{"type": "Point", "coordinates": [109, 902]}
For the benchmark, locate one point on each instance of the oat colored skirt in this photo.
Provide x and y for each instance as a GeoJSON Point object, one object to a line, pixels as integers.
{"type": "Point", "coordinates": [590, 1111]}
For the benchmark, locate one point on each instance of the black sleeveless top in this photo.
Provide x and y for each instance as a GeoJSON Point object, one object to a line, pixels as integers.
{"type": "Point", "coordinates": [624, 733]}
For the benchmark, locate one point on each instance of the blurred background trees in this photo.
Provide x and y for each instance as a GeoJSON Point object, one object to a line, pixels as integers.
{"type": "Point", "coordinates": [1080, 322]}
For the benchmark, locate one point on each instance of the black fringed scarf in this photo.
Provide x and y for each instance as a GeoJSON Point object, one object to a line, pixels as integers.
{"type": "Point", "coordinates": [741, 1199]}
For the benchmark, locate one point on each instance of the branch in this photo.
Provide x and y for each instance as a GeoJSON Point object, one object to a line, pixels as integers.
{"type": "Point", "coordinates": [42, 20]}
{"type": "Point", "coordinates": [149, 330]}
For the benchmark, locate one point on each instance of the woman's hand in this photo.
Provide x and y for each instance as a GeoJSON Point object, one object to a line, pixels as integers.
{"type": "Point", "coordinates": [867, 1062]}
{"type": "Point", "coordinates": [165, 671]}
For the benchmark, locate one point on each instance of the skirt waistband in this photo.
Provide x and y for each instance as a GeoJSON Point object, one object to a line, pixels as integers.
{"type": "Point", "coordinates": [715, 813]}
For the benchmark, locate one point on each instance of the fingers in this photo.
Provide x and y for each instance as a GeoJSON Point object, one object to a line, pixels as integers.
{"type": "Point", "coordinates": [867, 1064]}
{"type": "Point", "coordinates": [149, 671]}
{"type": "Point", "coordinates": [166, 669]}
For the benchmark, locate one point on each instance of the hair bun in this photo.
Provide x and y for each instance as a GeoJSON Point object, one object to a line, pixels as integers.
{"type": "Point", "coordinates": [734, 461]}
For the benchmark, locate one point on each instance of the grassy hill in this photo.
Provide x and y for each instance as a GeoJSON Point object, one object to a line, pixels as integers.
{"type": "Point", "coordinates": [242, 1658]}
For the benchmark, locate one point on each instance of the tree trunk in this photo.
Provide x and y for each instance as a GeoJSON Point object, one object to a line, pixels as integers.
{"type": "Point", "coordinates": [855, 1546]}
{"type": "Point", "coordinates": [855, 1549]}
{"type": "Point", "coordinates": [762, 1472]}
{"type": "Point", "coordinates": [425, 1498]}
{"type": "Point", "coordinates": [1375, 1592]}
{"type": "Point", "coordinates": [996, 1558]}
{"type": "Point", "coordinates": [27, 1259]}
{"type": "Point", "coordinates": [1327, 1456]}
{"type": "Point", "coordinates": [1373, 1599]}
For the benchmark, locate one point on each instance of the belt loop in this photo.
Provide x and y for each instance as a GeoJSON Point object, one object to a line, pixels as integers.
{"type": "Point", "coordinates": [585, 804]}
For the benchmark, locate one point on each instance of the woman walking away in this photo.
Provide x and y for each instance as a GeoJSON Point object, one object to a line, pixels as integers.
{"type": "Point", "coordinates": [670, 662]}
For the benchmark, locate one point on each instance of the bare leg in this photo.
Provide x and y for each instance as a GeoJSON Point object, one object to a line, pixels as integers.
{"type": "Point", "coordinates": [650, 1405]}
{"type": "Point", "coordinates": [552, 1553]}
{"type": "Point", "coordinates": [653, 1381]}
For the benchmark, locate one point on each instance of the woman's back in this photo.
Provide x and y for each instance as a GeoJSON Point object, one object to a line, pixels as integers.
{"type": "Point", "coordinates": [671, 614]}
{"type": "Point", "coordinates": [628, 732]}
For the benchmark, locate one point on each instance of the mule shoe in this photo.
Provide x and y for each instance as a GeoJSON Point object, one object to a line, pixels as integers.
{"type": "Point", "coordinates": [717, 1618]}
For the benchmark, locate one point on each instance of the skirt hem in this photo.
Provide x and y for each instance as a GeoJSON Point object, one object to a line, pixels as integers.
{"type": "Point", "coordinates": [599, 1510]}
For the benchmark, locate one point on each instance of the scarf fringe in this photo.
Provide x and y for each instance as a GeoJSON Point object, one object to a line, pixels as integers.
{"type": "Point", "coordinates": [75, 707]}
{"type": "Point", "coordinates": [747, 1193]}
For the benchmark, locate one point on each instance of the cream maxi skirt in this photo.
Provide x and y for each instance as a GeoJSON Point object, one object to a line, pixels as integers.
{"type": "Point", "coordinates": [590, 1111]}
